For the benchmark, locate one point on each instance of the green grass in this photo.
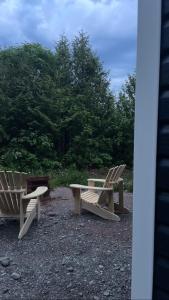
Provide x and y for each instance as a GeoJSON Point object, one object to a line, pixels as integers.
{"type": "Point", "coordinates": [128, 180]}
{"type": "Point", "coordinates": [72, 175]}
{"type": "Point", "coordinates": [68, 176]}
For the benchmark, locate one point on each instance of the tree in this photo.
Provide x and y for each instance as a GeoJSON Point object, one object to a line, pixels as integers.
{"type": "Point", "coordinates": [125, 107]}
{"type": "Point", "coordinates": [57, 108]}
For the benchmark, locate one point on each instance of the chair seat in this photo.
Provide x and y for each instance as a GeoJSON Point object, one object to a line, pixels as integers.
{"type": "Point", "coordinates": [90, 197]}
{"type": "Point", "coordinates": [32, 204]}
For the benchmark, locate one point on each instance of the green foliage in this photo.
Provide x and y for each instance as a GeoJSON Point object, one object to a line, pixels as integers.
{"type": "Point", "coordinates": [128, 181]}
{"type": "Point", "coordinates": [71, 175]}
{"type": "Point", "coordinates": [68, 176]}
{"type": "Point", "coordinates": [125, 121]}
{"type": "Point", "coordinates": [57, 109]}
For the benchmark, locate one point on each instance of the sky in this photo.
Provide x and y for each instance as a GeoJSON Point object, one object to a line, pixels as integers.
{"type": "Point", "coordinates": [110, 24]}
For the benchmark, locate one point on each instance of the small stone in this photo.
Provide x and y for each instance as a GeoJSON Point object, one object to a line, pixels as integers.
{"type": "Point", "coordinates": [5, 261]}
{"type": "Point", "coordinates": [69, 286]}
{"type": "Point", "coordinates": [106, 293]}
{"type": "Point", "coordinates": [70, 269]}
{"type": "Point", "coordinates": [16, 276]}
{"type": "Point", "coordinates": [95, 298]}
{"type": "Point", "coordinates": [81, 294]}
{"type": "Point", "coordinates": [122, 269]}
{"type": "Point", "coordinates": [101, 267]}
{"type": "Point", "coordinates": [91, 282]}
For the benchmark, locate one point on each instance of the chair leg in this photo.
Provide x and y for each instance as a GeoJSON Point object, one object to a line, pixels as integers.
{"type": "Point", "coordinates": [110, 201]}
{"type": "Point", "coordinates": [77, 201]}
{"type": "Point", "coordinates": [21, 213]}
{"type": "Point", "coordinates": [27, 223]}
{"type": "Point", "coordinates": [38, 209]}
{"type": "Point", "coordinates": [119, 208]}
{"type": "Point", "coordinates": [121, 196]}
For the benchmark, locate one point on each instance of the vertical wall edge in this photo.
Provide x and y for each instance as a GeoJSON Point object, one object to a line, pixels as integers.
{"type": "Point", "coordinates": [146, 120]}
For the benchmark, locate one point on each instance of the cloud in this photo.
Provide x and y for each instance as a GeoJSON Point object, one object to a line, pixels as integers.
{"type": "Point", "coordinates": [111, 25]}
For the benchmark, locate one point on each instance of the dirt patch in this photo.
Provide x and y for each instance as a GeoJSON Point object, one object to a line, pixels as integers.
{"type": "Point", "coordinates": [65, 256]}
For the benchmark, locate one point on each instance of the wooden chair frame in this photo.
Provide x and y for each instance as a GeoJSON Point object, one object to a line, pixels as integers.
{"type": "Point", "coordinates": [15, 204]}
{"type": "Point", "coordinates": [102, 205]}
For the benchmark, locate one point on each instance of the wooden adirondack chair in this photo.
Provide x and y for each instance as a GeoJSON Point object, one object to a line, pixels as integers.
{"type": "Point", "coordinates": [15, 204]}
{"type": "Point", "coordinates": [102, 203]}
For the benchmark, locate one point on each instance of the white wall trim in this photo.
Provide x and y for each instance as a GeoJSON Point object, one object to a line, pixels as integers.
{"type": "Point", "coordinates": [146, 118]}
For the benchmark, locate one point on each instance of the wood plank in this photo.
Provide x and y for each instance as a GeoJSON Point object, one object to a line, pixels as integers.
{"type": "Point", "coordinates": [101, 212]}
{"type": "Point", "coordinates": [13, 195]}
{"type": "Point", "coordinates": [27, 223]}
{"type": "Point", "coordinates": [77, 200]}
{"type": "Point", "coordinates": [6, 196]}
{"type": "Point", "coordinates": [24, 177]}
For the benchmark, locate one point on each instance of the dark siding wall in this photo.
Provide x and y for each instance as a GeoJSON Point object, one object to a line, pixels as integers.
{"type": "Point", "coordinates": [161, 255]}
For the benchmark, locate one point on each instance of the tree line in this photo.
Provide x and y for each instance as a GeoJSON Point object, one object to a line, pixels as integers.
{"type": "Point", "coordinates": [57, 109]}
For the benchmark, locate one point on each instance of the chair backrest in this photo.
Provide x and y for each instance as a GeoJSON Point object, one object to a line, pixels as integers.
{"type": "Point", "coordinates": [112, 177]}
{"type": "Point", "coordinates": [12, 185]}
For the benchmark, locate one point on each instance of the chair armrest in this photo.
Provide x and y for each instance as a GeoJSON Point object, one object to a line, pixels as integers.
{"type": "Point", "coordinates": [120, 179]}
{"type": "Point", "coordinates": [96, 180]}
{"type": "Point", "coordinates": [103, 180]}
{"type": "Point", "coordinates": [38, 192]}
{"type": "Point", "coordinates": [86, 187]}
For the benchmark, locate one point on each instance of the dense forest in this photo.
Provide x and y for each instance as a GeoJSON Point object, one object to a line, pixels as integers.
{"type": "Point", "coordinates": [57, 109]}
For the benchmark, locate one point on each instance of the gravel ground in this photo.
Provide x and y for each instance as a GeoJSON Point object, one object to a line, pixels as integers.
{"type": "Point", "coordinates": [65, 256]}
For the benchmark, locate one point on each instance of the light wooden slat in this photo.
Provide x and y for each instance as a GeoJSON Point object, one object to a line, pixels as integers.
{"type": "Point", "coordinates": [6, 196]}
{"type": "Point", "coordinates": [86, 187]}
{"type": "Point", "coordinates": [27, 223]}
{"type": "Point", "coordinates": [113, 174]}
{"type": "Point", "coordinates": [10, 180]}
{"type": "Point", "coordinates": [24, 177]}
{"type": "Point", "coordinates": [17, 183]}
{"type": "Point", "coordinates": [9, 176]}
{"type": "Point", "coordinates": [17, 179]}
{"type": "Point", "coordinates": [4, 206]}
{"type": "Point", "coordinates": [38, 192]}
{"type": "Point", "coordinates": [101, 212]}
{"type": "Point", "coordinates": [119, 172]}
{"type": "Point", "coordinates": [90, 197]}
{"type": "Point", "coordinates": [31, 205]}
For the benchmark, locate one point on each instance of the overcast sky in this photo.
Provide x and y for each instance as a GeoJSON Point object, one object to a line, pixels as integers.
{"type": "Point", "coordinates": [111, 25]}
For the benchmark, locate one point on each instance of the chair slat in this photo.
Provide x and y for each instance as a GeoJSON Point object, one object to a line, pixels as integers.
{"type": "Point", "coordinates": [14, 200]}
{"type": "Point", "coordinates": [10, 180]}
{"type": "Point", "coordinates": [6, 196]}
{"type": "Point", "coordinates": [3, 180]}
{"type": "Point", "coordinates": [112, 177]}
{"type": "Point", "coordinates": [119, 172]}
{"type": "Point", "coordinates": [114, 174]}
{"type": "Point", "coordinates": [3, 205]}
{"type": "Point", "coordinates": [17, 185]}
{"type": "Point", "coordinates": [17, 180]}
{"type": "Point", "coordinates": [24, 177]}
